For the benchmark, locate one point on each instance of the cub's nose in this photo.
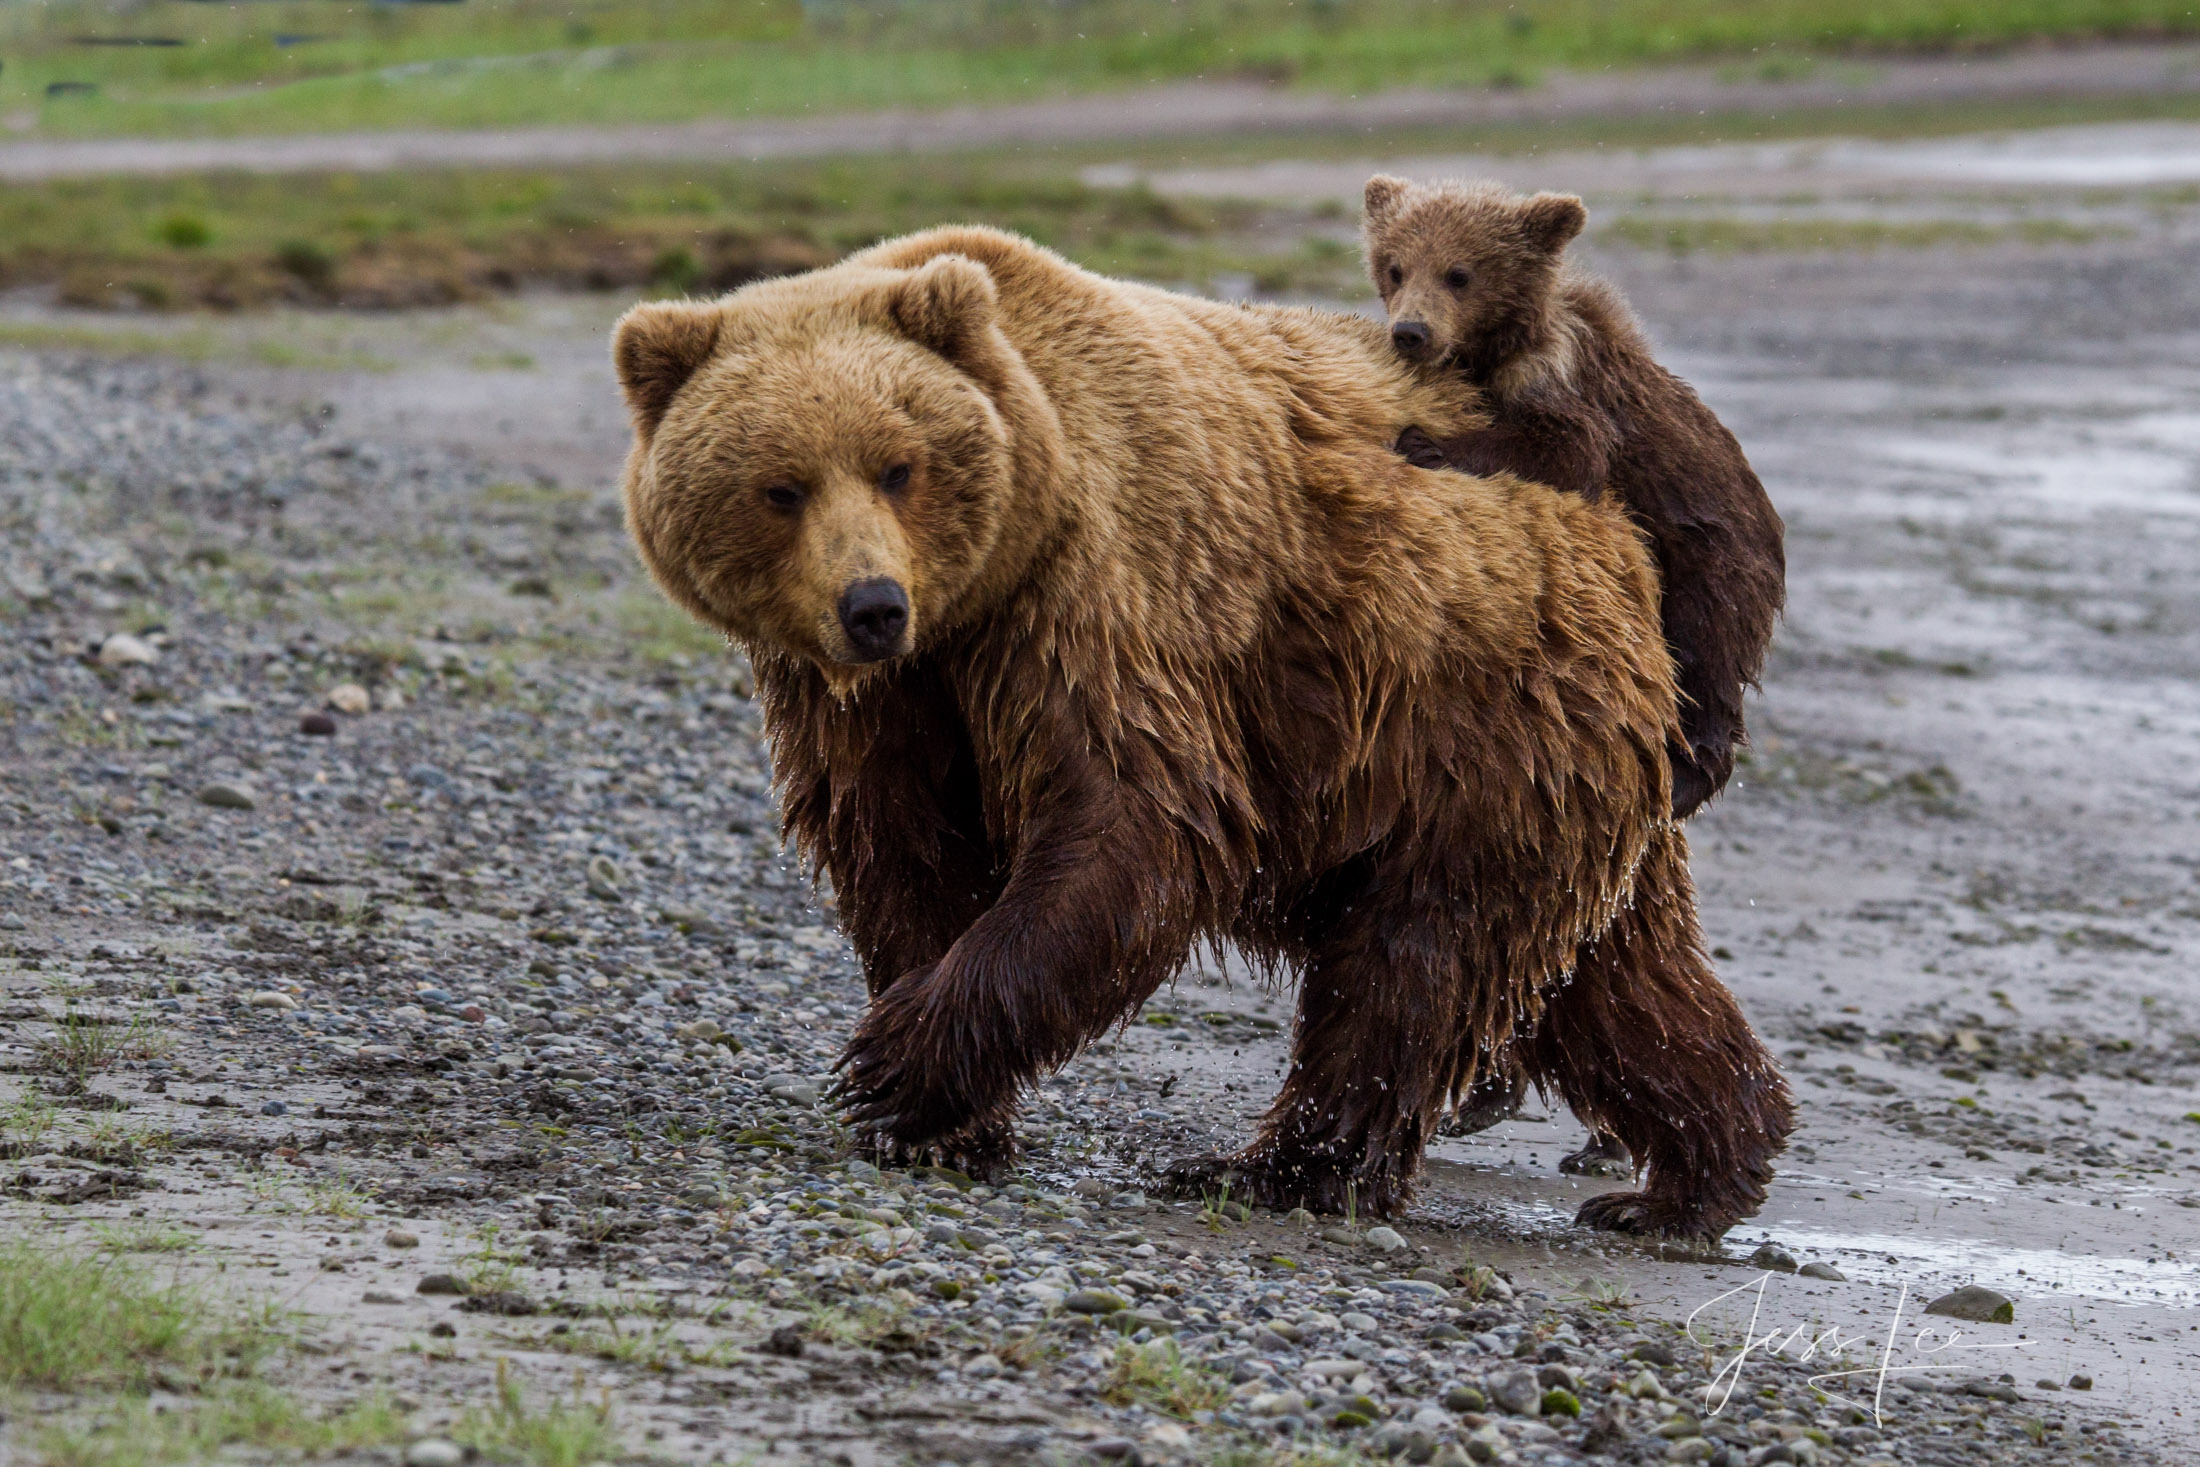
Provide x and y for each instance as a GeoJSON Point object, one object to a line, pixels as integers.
{"type": "Point", "coordinates": [875, 615]}
{"type": "Point", "coordinates": [1409, 337]}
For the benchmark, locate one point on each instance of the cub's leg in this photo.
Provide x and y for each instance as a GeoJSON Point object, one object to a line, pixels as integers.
{"type": "Point", "coordinates": [1377, 1029]}
{"type": "Point", "coordinates": [1648, 1046]}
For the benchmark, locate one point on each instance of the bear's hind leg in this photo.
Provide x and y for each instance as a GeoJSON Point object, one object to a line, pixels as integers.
{"type": "Point", "coordinates": [1369, 1066]}
{"type": "Point", "coordinates": [1649, 1047]}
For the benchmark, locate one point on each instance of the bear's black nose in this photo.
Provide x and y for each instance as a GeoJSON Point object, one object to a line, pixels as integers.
{"type": "Point", "coordinates": [874, 614]}
{"type": "Point", "coordinates": [1410, 337]}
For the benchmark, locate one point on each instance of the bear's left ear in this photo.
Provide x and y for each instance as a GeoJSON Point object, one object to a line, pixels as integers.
{"type": "Point", "coordinates": [1551, 221]}
{"type": "Point", "coordinates": [656, 349]}
{"type": "Point", "coordinates": [947, 304]}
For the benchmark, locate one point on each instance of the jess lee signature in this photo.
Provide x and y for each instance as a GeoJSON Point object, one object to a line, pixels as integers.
{"type": "Point", "coordinates": [1916, 1353]}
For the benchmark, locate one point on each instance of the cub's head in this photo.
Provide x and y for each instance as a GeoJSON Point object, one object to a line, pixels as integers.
{"type": "Point", "coordinates": [1465, 270]}
{"type": "Point", "coordinates": [821, 465]}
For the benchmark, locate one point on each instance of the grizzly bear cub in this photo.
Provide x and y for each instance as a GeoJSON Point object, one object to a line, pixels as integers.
{"type": "Point", "coordinates": [1473, 279]}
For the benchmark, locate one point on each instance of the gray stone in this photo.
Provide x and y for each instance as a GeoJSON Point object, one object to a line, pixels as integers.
{"type": "Point", "coordinates": [1094, 1301]}
{"type": "Point", "coordinates": [1517, 1391]}
{"type": "Point", "coordinates": [1976, 1303]}
{"type": "Point", "coordinates": [1385, 1240]}
{"type": "Point", "coordinates": [124, 650]}
{"type": "Point", "coordinates": [433, 1451]}
{"type": "Point", "coordinates": [225, 796]}
{"type": "Point", "coordinates": [1773, 1257]}
{"type": "Point", "coordinates": [1823, 1271]}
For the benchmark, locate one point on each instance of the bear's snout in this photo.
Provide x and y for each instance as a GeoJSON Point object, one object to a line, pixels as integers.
{"type": "Point", "coordinates": [875, 615]}
{"type": "Point", "coordinates": [1411, 338]}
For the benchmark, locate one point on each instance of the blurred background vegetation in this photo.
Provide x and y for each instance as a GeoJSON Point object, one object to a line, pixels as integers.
{"type": "Point", "coordinates": [170, 68]}
{"type": "Point", "coordinates": [188, 66]}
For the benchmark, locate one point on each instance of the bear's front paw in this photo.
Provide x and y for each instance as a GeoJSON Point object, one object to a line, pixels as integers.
{"type": "Point", "coordinates": [892, 1080]}
{"type": "Point", "coordinates": [1647, 1215]}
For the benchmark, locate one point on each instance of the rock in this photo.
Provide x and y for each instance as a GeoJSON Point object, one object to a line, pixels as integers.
{"type": "Point", "coordinates": [1094, 1301]}
{"type": "Point", "coordinates": [269, 999]}
{"type": "Point", "coordinates": [785, 1341]}
{"type": "Point", "coordinates": [274, 1108]}
{"type": "Point", "coordinates": [225, 796]}
{"type": "Point", "coordinates": [1385, 1240]}
{"type": "Point", "coordinates": [1823, 1271]}
{"type": "Point", "coordinates": [444, 1283]}
{"type": "Point", "coordinates": [399, 1238]}
{"type": "Point", "coordinates": [124, 650]}
{"type": "Point", "coordinates": [1517, 1391]}
{"type": "Point", "coordinates": [982, 1367]}
{"type": "Point", "coordinates": [508, 1302]}
{"type": "Point", "coordinates": [433, 1451]}
{"type": "Point", "coordinates": [2081, 1382]}
{"type": "Point", "coordinates": [604, 879]}
{"type": "Point", "coordinates": [1976, 1303]}
{"type": "Point", "coordinates": [348, 698]}
{"type": "Point", "coordinates": [1773, 1257]}
{"type": "Point", "coordinates": [1343, 1237]}
{"type": "Point", "coordinates": [379, 1296]}
{"type": "Point", "coordinates": [1558, 1401]}
{"type": "Point", "coordinates": [317, 725]}
{"type": "Point", "coordinates": [1464, 1398]}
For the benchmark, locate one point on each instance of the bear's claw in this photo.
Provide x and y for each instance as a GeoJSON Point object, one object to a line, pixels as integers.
{"type": "Point", "coordinates": [1647, 1215]}
{"type": "Point", "coordinates": [1602, 1156]}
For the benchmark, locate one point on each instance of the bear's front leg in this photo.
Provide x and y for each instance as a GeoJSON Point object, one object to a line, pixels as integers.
{"type": "Point", "coordinates": [890, 802]}
{"type": "Point", "coordinates": [1097, 911]}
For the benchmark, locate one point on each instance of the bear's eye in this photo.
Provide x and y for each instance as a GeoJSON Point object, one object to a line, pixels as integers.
{"type": "Point", "coordinates": [785, 496]}
{"type": "Point", "coordinates": [1456, 277]}
{"type": "Point", "coordinates": [1397, 276]}
{"type": "Point", "coordinates": [895, 479]}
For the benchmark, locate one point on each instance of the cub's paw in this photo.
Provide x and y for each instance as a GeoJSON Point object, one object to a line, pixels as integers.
{"type": "Point", "coordinates": [1494, 1099]}
{"type": "Point", "coordinates": [1604, 1156]}
{"type": "Point", "coordinates": [1646, 1215]}
{"type": "Point", "coordinates": [1699, 772]}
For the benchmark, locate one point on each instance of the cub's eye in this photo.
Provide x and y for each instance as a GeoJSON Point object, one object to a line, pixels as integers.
{"type": "Point", "coordinates": [1397, 276]}
{"type": "Point", "coordinates": [785, 496]}
{"type": "Point", "coordinates": [895, 479]}
{"type": "Point", "coordinates": [1456, 277]}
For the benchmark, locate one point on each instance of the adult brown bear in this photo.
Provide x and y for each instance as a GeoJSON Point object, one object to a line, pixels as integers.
{"type": "Point", "coordinates": [1092, 621]}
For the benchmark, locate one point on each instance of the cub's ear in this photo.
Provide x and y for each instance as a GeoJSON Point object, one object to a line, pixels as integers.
{"type": "Point", "coordinates": [947, 304]}
{"type": "Point", "coordinates": [656, 349]}
{"type": "Point", "coordinates": [1384, 193]}
{"type": "Point", "coordinates": [1550, 221]}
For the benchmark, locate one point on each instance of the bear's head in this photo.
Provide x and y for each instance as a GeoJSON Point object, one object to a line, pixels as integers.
{"type": "Point", "coordinates": [1465, 270]}
{"type": "Point", "coordinates": [823, 465]}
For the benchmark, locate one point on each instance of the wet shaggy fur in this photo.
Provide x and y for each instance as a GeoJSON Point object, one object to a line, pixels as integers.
{"type": "Point", "coordinates": [1192, 656]}
{"type": "Point", "coordinates": [1578, 402]}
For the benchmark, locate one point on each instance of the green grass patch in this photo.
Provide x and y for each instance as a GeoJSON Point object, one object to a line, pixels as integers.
{"type": "Point", "coordinates": [438, 236]}
{"type": "Point", "coordinates": [236, 1415]}
{"type": "Point", "coordinates": [293, 67]}
{"type": "Point", "coordinates": [571, 1433]}
{"type": "Point", "coordinates": [1682, 236]}
{"type": "Point", "coordinates": [74, 1321]}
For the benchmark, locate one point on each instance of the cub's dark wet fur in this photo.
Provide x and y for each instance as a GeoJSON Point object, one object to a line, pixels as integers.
{"type": "Point", "coordinates": [1472, 276]}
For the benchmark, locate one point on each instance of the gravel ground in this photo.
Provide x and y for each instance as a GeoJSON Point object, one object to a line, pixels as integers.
{"type": "Point", "coordinates": [416, 873]}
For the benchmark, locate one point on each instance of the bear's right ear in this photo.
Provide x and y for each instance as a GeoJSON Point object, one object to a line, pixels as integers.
{"type": "Point", "coordinates": [1552, 220]}
{"type": "Point", "coordinates": [656, 349]}
{"type": "Point", "coordinates": [1384, 193]}
{"type": "Point", "coordinates": [947, 304]}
